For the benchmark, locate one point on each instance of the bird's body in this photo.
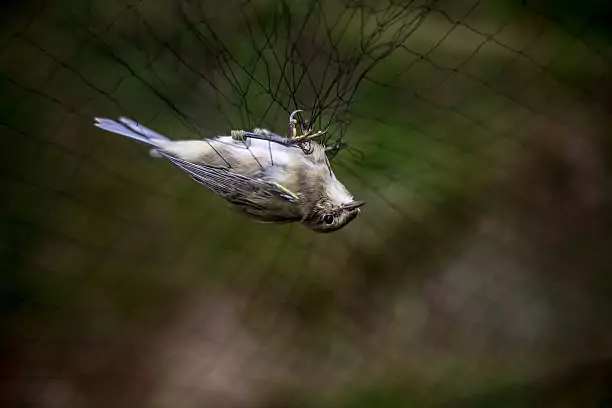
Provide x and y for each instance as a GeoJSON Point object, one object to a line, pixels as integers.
{"type": "Point", "coordinates": [270, 162]}
{"type": "Point", "coordinates": [268, 181]}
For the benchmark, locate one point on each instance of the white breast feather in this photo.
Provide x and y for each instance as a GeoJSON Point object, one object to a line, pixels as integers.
{"type": "Point", "coordinates": [337, 192]}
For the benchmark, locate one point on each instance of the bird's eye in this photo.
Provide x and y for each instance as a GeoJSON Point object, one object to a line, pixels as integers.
{"type": "Point", "coordinates": [328, 219]}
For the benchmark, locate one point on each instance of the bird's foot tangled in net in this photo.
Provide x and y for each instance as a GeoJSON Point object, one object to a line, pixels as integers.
{"type": "Point", "coordinates": [303, 140]}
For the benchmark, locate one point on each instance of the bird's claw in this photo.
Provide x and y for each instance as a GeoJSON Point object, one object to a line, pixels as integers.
{"type": "Point", "coordinates": [308, 136]}
{"type": "Point", "coordinates": [336, 147]}
{"type": "Point", "coordinates": [293, 122]}
{"type": "Point", "coordinates": [238, 135]}
{"type": "Point", "coordinates": [241, 136]}
{"type": "Point", "coordinates": [305, 136]}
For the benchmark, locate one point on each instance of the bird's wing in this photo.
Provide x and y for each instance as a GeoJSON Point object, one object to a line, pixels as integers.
{"type": "Point", "coordinates": [246, 193]}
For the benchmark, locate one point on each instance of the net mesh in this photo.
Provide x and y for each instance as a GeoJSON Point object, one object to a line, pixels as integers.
{"type": "Point", "coordinates": [478, 272]}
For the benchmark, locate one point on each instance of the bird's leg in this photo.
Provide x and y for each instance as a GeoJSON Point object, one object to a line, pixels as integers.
{"type": "Point", "coordinates": [262, 131]}
{"type": "Point", "coordinates": [292, 140]}
{"type": "Point", "coordinates": [263, 134]}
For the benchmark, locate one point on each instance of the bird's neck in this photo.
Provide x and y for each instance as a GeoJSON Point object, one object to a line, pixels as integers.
{"type": "Point", "coordinates": [313, 185]}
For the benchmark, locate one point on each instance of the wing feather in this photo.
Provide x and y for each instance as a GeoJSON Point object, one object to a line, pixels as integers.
{"type": "Point", "coordinates": [246, 193]}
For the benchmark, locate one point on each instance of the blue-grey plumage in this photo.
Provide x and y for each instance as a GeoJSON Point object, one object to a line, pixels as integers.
{"type": "Point", "coordinates": [268, 181]}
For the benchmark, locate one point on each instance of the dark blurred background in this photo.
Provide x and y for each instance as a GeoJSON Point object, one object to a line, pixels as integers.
{"type": "Point", "coordinates": [478, 274]}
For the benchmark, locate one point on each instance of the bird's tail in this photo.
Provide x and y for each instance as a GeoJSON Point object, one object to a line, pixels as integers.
{"type": "Point", "coordinates": [133, 130]}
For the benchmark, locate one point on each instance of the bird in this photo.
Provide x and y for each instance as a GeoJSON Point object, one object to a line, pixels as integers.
{"type": "Point", "coordinates": [265, 176]}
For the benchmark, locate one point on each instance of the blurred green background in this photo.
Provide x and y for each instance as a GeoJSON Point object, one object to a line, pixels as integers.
{"type": "Point", "coordinates": [478, 274]}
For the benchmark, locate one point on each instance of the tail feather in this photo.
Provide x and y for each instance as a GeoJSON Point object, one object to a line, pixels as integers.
{"type": "Point", "coordinates": [131, 129]}
{"type": "Point", "coordinates": [143, 130]}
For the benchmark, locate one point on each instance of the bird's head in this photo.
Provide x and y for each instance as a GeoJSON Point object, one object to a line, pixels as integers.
{"type": "Point", "coordinates": [334, 208]}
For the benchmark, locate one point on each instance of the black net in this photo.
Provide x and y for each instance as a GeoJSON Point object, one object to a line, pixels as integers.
{"type": "Point", "coordinates": [477, 274]}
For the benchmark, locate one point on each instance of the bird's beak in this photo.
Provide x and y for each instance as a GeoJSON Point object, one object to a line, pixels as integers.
{"type": "Point", "coordinates": [353, 204]}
